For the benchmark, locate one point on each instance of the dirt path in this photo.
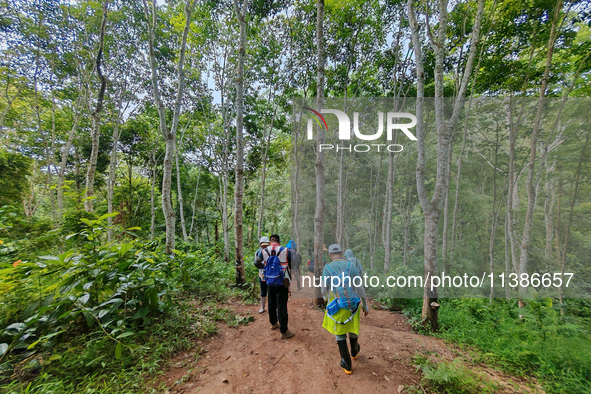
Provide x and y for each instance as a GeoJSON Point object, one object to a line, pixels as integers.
{"type": "Point", "coordinates": [254, 359]}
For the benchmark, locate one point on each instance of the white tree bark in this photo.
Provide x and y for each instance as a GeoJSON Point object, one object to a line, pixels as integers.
{"type": "Point", "coordinates": [319, 164]}
{"type": "Point", "coordinates": [432, 208]}
{"type": "Point", "coordinates": [169, 134]}
{"type": "Point", "coordinates": [529, 182]}
{"type": "Point", "coordinates": [239, 169]}
{"type": "Point", "coordinates": [180, 192]}
{"type": "Point", "coordinates": [113, 168]}
{"type": "Point", "coordinates": [62, 170]}
{"type": "Point", "coordinates": [96, 117]}
{"type": "Point", "coordinates": [194, 207]}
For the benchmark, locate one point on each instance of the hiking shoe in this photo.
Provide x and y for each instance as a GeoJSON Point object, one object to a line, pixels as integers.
{"type": "Point", "coordinates": [355, 348]}
{"type": "Point", "coordinates": [275, 326]}
{"type": "Point", "coordinates": [287, 334]}
{"type": "Point", "coordinates": [345, 356]}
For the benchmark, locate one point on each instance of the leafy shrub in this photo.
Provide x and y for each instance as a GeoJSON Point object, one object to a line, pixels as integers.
{"type": "Point", "coordinates": [116, 287]}
{"type": "Point", "coordinates": [533, 340]}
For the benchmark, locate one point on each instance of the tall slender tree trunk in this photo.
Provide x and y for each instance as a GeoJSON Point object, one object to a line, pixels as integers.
{"type": "Point", "coordinates": [529, 182]}
{"type": "Point", "coordinates": [340, 210]}
{"type": "Point", "coordinates": [549, 203]}
{"type": "Point", "coordinates": [96, 117]}
{"type": "Point", "coordinates": [494, 217]}
{"type": "Point", "coordinates": [264, 178]}
{"type": "Point", "coordinates": [406, 219]}
{"type": "Point", "coordinates": [223, 180]}
{"type": "Point", "coordinates": [62, 170]}
{"type": "Point", "coordinates": [374, 213]}
{"type": "Point", "coordinates": [389, 203]}
{"type": "Point", "coordinates": [224, 202]}
{"type": "Point", "coordinates": [239, 170]}
{"type": "Point", "coordinates": [296, 192]}
{"type": "Point", "coordinates": [168, 134]}
{"type": "Point", "coordinates": [512, 184]}
{"type": "Point", "coordinates": [388, 213]}
{"type": "Point", "coordinates": [194, 210]}
{"type": "Point", "coordinates": [432, 208]}
{"type": "Point", "coordinates": [573, 201]}
{"type": "Point", "coordinates": [457, 191]}
{"type": "Point", "coordinates": [319, 164]}
{"type": "Point", "coordinates": [180, 195]}
{"type": "Point", "coordinates": [49, 153]}
{"type": "Point", "coordinates": [111, 179]}
{"type": "Point", "coordinates": [113, 167]}
{"type": "Point", "coordinates": [507, 254]}
{"type": "Point", "coordinates": [152, 193]}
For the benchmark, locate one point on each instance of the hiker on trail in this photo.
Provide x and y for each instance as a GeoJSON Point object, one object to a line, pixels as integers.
{"type": "Point", "coordinates": [310, 263]}
{"type": "Point", "coordinates": [339, 280]}
{"type": "Point", "coordinates": [349, 256]}
{"type": "Point", "coordinates": [263, 243]}
{"type": "Point", "coordinates": [276, 260]}
{"type": "Point", "coordinates": [296, 262]}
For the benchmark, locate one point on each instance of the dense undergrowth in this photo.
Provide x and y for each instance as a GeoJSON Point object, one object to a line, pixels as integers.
{"type": "Point", "coordinates": [543, 339]}
{"type": "Point", "coordinates": [79, 314]}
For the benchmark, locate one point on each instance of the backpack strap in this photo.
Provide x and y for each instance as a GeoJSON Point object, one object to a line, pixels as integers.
{"type": "Point", "coordinates": [353, 313]}
{"type": "Point", "coordinates": [348, 268]}
{"type": "Point", "coordinates": [330, 270]}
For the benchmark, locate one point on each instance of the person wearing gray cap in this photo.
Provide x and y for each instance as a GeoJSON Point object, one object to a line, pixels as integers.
{"type": "Point", "coordinates": [263, 243]}
{"type": "Point", "coordinates": [339, 280]}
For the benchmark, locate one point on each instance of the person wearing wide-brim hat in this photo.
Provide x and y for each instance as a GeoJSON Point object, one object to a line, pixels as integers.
{"type": "Point", "coordinates": [342, 317]}
{"type": "Point", "coordinates": [263, 243]}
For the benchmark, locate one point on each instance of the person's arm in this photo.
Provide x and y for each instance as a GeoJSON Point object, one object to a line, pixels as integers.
{"type": "Point", "coordinates": [359, 267]}
{"type": "Point", "coordinates": [360, 291]}
{"type": "Point", "coordinates": [258, 259]}
{"type": "Point", "coordinates": [323, 280]}
{"type": "Point", "coordinates": [289, 259]}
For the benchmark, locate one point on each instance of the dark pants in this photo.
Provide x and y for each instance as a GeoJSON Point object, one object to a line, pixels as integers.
{"type": "Point", "coordinates": [263, 287]}
{"type": "Point", "coordinates": [278, 306]}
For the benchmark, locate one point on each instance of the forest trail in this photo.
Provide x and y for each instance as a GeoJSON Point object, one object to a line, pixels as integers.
{"type": "Point", "coordinates": [254, 359]}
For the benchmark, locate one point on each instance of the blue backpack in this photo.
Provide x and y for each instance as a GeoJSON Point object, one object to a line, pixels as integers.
{"type": "Point", "coordinates": [346, 298]}
{"type": "Point", "coordinates": [274, 274]}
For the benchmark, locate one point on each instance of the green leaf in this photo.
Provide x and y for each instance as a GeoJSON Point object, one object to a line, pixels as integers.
{"type": "Point", "coordinates": [3, 348]}
{"type": "Point", "coordinates": [15, 328]}
{"type": "Point", "coordinates": [89, 319]}
{"type": "Point", "coordinates": [118, 350]}
{"type": "Point", "coordinates": [108, 215]}
{"type": "Point", "coordinates": [50, 258]}
{"type": "Point", "coordinates": [84, 299]}
{"type": "Point", "coordinates": [31, 346]}
{"type": "Point", "coordinates": [141, 313]}
{"type": "Point", "coordinates": [115, 301]}
{"type": "Point", "coordinates": [125, 335]}
{"type": "Point", "coordinates": [64, 256]}
{"type": "Point", "coordinates": [87, 222]}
